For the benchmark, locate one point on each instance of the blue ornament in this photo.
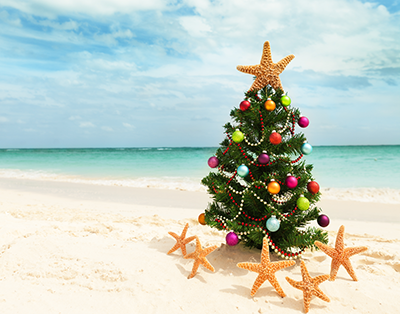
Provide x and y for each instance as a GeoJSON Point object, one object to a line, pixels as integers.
{"type": "Point", "coordinates": [306, 149]}
{"type": "Point", "coordinates": [273, 224]}
{"type": "Point", "coordinates": [242, 171]}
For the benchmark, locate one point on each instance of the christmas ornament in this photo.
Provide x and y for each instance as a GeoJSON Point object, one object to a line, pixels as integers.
{"type": "Point", "coordinates": [270, 105]}
{"type": "Point", "coordinates": [273, 187]}
{"type": "Point", "coordinates": [303, 122]}
{"type": "Point", "coordinates": [306, 148]}
{"type": "Point", "coordinates": [313, 187]}
{"type": "Point", "coordinates": [181, 241]}
{"type": "Point", "coordinates": [291, 182]}
{"type": "Point", "coordinates": [243, 171]}
{"type": "Point", "coordinates": [202, 219]}
{"type": "Point", "coordinates": [323, 220]}
{"type": "Point", "coordinates": [199, 256]}
{"type": "Point", "coordinates": [263, 158]}
{"type": "Point", "coordinates": [285, 100]}
{"type": "Point", "coordinates": [266, 270]}
{"type": "Point", "coordinates": [232, 239]}
{"type": "Point", "coordinates": [237, 136]}
{"type": "Point", "coordinates": [309, 286]}
{"type": "Point", "coordinates": [275, 138]}
{"type": "Point", "coordinates": [266, 72]}
{"type": "Point", "coordinates": [340, 255]}
{"type": "Point", "coordinates": [273, 224]}
{"type": "Point", "coordinates": [244, 105]}
{"type": "Point", "coordinates": [303, 203]}
{"type": "Point", "coordinates": [213, 162]}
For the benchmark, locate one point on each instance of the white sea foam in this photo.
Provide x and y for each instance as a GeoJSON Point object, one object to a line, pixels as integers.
{"type": "Point", "coordinates": [169, 183]}
{"type": "Point", "coordinates": [378, 195]}
{"type": "Point", "coordinates": [387, 196]}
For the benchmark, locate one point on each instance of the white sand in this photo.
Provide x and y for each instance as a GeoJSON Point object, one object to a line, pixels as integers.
{"type": "Point", "coordinates": [75, 248]}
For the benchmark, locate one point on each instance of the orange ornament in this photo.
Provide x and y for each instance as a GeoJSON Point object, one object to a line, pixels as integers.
{"type": "Point", "coordinates": [273, 187]}
{"type": "Point", "coordinates": [270, 105]}
{"type": "Point", "coordinates": [202, 219]}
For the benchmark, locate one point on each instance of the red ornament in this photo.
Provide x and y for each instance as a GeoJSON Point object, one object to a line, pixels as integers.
{"type": "Point", "coordinates": [313, 187]}
{"type": "Point", "coordinates": [244, 105]}
{"type": "Point", "coordinates": [275, 138]}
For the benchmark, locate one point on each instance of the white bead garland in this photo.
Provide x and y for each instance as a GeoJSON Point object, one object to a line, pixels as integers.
{"type": "Point", "coordinates": [286, 123]}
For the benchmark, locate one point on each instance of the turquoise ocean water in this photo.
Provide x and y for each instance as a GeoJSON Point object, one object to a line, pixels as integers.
{"type": "Point", "coordinates": [350, 168]}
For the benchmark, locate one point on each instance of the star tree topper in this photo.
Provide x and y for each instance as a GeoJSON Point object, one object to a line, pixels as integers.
{"type": "Point", "coordinates": [266, 72]}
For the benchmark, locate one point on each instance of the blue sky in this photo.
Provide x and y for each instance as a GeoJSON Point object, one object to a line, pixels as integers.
{"type": "Point", "coordinates": [116, 73]}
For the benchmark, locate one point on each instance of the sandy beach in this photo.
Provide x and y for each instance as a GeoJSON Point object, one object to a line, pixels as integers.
{"type": "Point", "coordinates": [80, 248]}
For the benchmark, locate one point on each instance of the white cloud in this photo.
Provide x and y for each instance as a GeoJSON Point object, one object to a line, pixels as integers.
{"type": "Point", "coordinates": [195, 26]}
{"type": "Point", "coordinates": [107, 128]}
{"type": "Point", "coordinates": [158, 69]}
{"type": "Point", "coordinates": [3, 119]}
{"type": "Point", "coordinates": [128, 125]}
{"type": "Point", "coordinates": [5, 17]}
{"type": "Point", "coordinates": [86, 125]}
{"type": "Point", "coordinates": [51, 9]}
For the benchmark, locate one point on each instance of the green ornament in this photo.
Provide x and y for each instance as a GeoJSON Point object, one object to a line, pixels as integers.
{"type": "Point", "coordinates": [285, 100]}
{"type": "Point", "coordinates": [237, 136]}
{"type": "Point", "coordinates": [303, 203]}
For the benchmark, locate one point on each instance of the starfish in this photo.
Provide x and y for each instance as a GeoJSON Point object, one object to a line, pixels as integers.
{"type": "Point", "coordinates": [181, 241]}
{"type": "Point", "coordinates": [199, 256]}
{"type": "Point", "coordinates": [340, 255]}
{"type": "Point", "coordinates": [266, 270]}
{"type": "Point", "coordinates": [309, 286]}
{"type": "Point", "coordinates": [266, 72]}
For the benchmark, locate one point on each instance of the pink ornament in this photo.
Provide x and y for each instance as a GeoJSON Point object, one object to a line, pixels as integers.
{"type": "Point", "coordinates": [263, 158]}
{"type": "Point", "coordinates": [303, 122]}
{"type": "Point", "coordinates": [323, 220]}
{"type": "Point", "coordinates": [291, 182]}
{"type": "Point", "coordinates": [213, 162]}
{"type": "Point", "coordinates": [232, 239]}
{"type": "Point", "coordinates": [244, 105]}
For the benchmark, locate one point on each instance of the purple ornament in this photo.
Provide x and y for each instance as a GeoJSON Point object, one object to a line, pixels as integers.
{"type": "Point", "coordinates": [232, 239]}
{"type": "Point", "coordinates": [213, 162]}
{"type": "Point", "coordinates": [291, 182]}
{"type": "Point", "coordinates": [263, 158]}
{"type": "Point", "coordinates": [323, 220]}
{"type": "Point", "coordinates": [303, 122]}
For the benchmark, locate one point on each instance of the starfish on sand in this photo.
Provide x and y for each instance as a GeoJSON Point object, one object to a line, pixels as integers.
{"type": "Point", "coordinates": [199, 256]}
{"type": "Point", "coordinates": [340, 255]}
{"type": "Point", "coordinates": [181, 241]}
{"type": "Point", "coordinates": [266, 270]}
{"type": "Point", "coordinates": [309, 285]}
{"type": "Point", "coordinates": [266, 72]}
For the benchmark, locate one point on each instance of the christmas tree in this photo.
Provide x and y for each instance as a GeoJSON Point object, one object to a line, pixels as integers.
{"type": "Point", "coordinates": [263, 186]}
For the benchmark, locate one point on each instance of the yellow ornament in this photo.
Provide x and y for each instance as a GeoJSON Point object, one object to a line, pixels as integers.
{"type": "Point", "coordinates": [237, 136]}
{"type": "Point", "coordinates": [273, 187]}
{"type": "Point", "coordinates": [270, 105]}
{"type": "Point", "coordinates": [202, 219]}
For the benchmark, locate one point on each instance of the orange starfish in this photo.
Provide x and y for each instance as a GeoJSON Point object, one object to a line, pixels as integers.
{"type": "Point", "coordinates": [266, 270]}
{"type": "Point", "coordinates": [199, 257]}
{"type": "Point", "coordinates": [181, 241]}
{"type": "Point", "coordinates": [266, 72]}
{"type": "Point", "coordinates": [340, 255]}
{"type": "Point", "coordinates": [309, 286]}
